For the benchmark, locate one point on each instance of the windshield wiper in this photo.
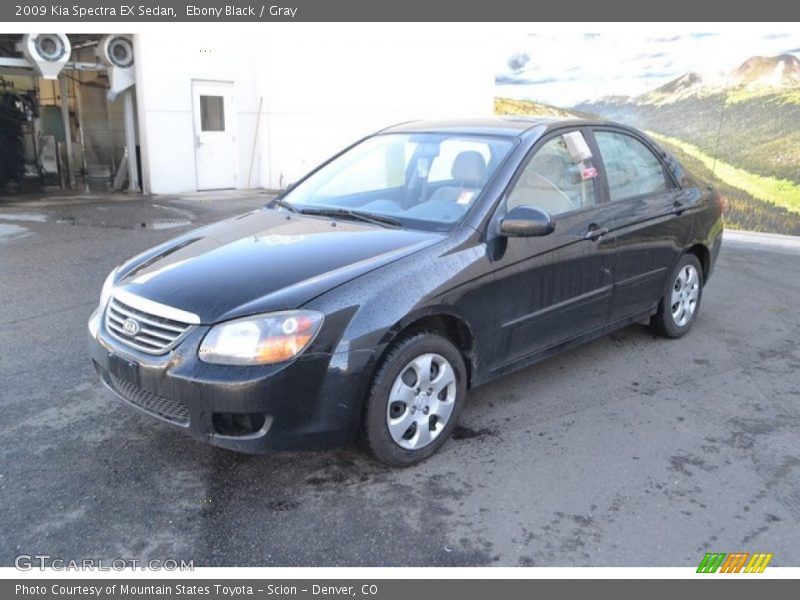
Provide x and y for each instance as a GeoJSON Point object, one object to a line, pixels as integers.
{"type": "Point", "coordinates": [354, 215]}
{"type": "Point", "coordinates": [283, 204]}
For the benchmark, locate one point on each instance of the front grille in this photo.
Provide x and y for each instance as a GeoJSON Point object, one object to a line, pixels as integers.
{"type": "Point", "coordinates": [154, 335]}
{"type": "Point", "coordinates": [169, 410]}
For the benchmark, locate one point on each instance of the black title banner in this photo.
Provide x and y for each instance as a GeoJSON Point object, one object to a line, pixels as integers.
{"type": "Point", "coordinates": [75, 11]}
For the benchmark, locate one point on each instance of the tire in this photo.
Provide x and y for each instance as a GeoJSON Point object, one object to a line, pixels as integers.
{"type": "Point", "coordinates": [409, 415]}
{"type": "Point", "coordinates": [680, 302]}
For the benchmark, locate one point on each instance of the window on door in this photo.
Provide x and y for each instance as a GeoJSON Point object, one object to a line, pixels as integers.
{"type": "Point", "coordinates": [631, 167]}
{"type": "Point", "coordinates": [553, 181]}
{"type": "Point", "coordinates": [212, 113]}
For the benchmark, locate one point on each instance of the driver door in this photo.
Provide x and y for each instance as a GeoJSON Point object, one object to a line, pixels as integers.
{"type": "Point", "coordinates": [556, 287]}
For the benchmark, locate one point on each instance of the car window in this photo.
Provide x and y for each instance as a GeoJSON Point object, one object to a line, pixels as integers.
{"type": "Point", "coordinates": [631, 167]}
{"type": "Point", "coordinates": [554, 181]}
{"type": "Point", "coordinates": [370, 171]}
{"type": "Point", "coordinates": [424, 180]}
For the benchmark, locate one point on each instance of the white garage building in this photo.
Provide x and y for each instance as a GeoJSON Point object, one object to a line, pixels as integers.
{"type": "Point", "coordinates": [258, 108]}
{"type": "Point", "coordinates": [287, 102]}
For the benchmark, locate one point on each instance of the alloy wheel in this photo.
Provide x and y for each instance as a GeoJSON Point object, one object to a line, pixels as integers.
{"type": "Point", "coordinates": [421, 401]}
{"type": "Point", "coordinates": [685, 293]}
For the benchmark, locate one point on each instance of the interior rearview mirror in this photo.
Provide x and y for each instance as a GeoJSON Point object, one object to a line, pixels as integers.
{"type": "Point", "coordinates": [526, 221]}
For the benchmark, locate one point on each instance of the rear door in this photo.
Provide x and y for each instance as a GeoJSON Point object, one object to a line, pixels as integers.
{"type": "Point", "coordinates": [647, 219]}
{"type": "Point", "coordinates": [552, 288]}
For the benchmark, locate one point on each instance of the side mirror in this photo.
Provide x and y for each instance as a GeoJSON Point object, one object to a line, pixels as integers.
{"type": "Point", "coordinates": [526, 221]}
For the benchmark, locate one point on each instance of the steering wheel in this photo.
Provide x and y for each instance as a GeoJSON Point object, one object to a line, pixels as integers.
{"type": "Point", "coordinates": [554, 188]}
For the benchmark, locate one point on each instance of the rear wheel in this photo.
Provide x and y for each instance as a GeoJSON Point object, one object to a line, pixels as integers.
{"type": "Point", "coordinates": [681, 299]}
{"type": "Point", "coordinates": [415, 399]}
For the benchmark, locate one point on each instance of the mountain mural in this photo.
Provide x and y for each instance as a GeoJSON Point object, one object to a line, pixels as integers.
{"type": "Point", "coordinates": [757, 76]}
{"type": "Point", "coordinates": [509, 106]}
{"type": "Point", "coordinates": [783, 70]}
{"type": "Point", "coordinates": [740, 129]}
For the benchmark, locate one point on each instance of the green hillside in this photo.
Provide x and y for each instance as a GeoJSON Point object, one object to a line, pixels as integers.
{"type": "Point", "coordinates": [756, 202]}
{"type": "Point", "coordinates": [743, 211]}
{"type": "Point", "coordinates": [759, 133]}
{"type": "Point", "coordinates": [509, 106]}
{"type": "Point", "coordinates": [780, 192]}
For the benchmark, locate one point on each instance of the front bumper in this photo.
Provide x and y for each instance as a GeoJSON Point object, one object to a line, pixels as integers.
{"type": "Point", "coordinates": [311, 402]}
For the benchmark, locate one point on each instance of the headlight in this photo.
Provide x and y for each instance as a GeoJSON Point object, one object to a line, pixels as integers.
{"type": "Point", "coordinates": [108, 285]}
{"type": "Point", "coordinates": [261, 340]}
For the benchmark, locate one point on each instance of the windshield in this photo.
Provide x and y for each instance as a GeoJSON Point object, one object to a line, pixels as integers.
{"type": "Point", "coordinates": [418, 180]}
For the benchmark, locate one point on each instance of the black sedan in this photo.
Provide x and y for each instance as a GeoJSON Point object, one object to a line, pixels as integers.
{"type": "Point", "coordinates": [421, 262]}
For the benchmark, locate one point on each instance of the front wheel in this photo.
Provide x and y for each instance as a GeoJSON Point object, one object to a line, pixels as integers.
{"type": "Point", "coordinates": [415, 399]}
{"type": "Point", "coordinates": [681, 299]}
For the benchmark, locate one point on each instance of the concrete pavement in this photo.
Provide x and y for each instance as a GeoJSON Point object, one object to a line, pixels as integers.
{"type": "Point", "coordinates": [631, 450]}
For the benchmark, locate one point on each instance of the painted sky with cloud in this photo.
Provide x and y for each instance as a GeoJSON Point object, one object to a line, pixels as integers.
{"type": "Point", "coordinates": [564, 68]}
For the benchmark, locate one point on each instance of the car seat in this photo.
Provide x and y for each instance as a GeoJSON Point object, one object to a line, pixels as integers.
{"type": "Point", "coordinates": [469, 172]}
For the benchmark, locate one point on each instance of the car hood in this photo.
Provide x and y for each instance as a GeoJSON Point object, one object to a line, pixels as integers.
{"type": "Point", "coordinates": [261, 261]}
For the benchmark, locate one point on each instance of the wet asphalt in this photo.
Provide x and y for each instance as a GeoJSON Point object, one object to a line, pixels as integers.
{"type": "Point", "coordinates": [631, 450]}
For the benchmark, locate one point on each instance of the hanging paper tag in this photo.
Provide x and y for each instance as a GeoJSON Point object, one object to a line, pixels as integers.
{"type": "Point", "coordinates": [465, 197]}
{"type": "Point", "coordinates": [587, 171]}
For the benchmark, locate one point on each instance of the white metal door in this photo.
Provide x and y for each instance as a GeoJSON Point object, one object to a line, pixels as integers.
{"type": "Point", "coordinates": [214, 141]}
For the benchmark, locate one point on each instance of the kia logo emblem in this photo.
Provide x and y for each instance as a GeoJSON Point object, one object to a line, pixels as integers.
{"type": "Point", "coordinates": [130, 327]}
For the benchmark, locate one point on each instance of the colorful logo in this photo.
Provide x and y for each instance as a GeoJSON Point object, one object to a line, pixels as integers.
{"type": "Point", "coordinates": [735, 562]}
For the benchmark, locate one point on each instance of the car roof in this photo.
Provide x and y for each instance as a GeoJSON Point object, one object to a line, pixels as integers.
{"type": "Point", "coordinates": [502, 126]}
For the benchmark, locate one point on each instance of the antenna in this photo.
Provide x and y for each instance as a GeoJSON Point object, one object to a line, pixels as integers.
{"type": "Point", "coordinates": [719, 129]}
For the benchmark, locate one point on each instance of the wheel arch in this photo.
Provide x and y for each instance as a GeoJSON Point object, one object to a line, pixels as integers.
{"type": "Point", "coordinates": [445, 322]}
{"type": "Point", "coordinates": [704, 256]}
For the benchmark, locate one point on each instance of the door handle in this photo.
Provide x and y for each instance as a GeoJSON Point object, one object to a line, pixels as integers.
{"type": "Point", "coordinates": [197, 142]}
{"type": "Point", "coordinates": [678, 207]}
{"type": "Point", "coordinates": [595, 232]}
